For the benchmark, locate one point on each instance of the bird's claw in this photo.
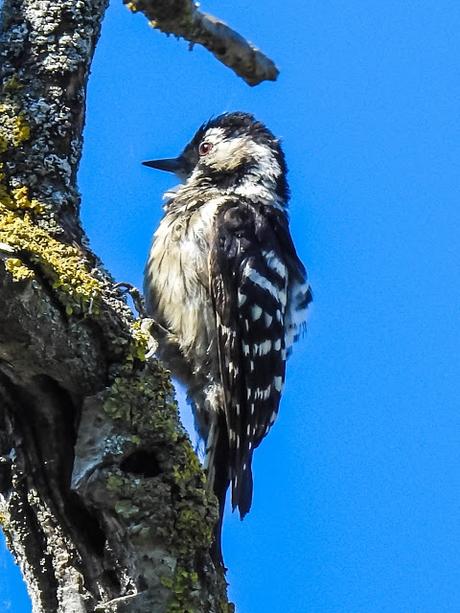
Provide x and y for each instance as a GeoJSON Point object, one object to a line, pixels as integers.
{"type": "Point", "coordinates": [124, 288]}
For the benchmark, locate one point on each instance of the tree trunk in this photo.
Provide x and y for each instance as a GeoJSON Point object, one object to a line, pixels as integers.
{"type": "Point", "coordinates": [103, 501]}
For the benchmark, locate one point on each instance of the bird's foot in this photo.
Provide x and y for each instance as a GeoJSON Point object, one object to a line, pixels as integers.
{"type": "Point", "coordinates": [124, 288]}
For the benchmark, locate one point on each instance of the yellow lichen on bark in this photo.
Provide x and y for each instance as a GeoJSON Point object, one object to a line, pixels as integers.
{"type": "Point", "coordinates": [14, 128]}
{"type": "Point", "coordinates": [131, 6]}
{"type": "Point", "coordinates": [18, 270]}
{"type": "Point", "coordinates": [63, 265]}
{"type": "Point", "coordinates": [18, 198]}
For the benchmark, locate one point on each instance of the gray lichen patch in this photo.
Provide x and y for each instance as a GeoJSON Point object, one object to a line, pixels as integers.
{"type": "Point", "coordinates": [54, 41]}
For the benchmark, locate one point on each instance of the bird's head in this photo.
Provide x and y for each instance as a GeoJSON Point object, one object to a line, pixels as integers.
{"type": "Point", "coordinates": [232, 152]}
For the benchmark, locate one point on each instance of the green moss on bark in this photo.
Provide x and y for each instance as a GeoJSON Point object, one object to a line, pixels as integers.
{"type": "Point", "coordinates": [185, 521]}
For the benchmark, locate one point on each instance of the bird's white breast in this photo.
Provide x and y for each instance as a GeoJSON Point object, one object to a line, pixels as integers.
{"type": "Point", "coordinates": [177, 274]}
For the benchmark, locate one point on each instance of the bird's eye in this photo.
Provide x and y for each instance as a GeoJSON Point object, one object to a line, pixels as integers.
{"type": "Point", "coordinates": [205, 147]}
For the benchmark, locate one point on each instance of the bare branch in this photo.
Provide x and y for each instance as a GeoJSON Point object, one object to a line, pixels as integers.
{"type": "Point", "coordinates": [183, 19]}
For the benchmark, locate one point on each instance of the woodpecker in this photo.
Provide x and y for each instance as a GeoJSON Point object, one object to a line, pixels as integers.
{"type": "Point", "coordinates": [225, 284]}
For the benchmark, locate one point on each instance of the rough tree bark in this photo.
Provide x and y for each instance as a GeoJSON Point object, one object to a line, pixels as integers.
{"type": "Point", "coordinates": [102, 499]}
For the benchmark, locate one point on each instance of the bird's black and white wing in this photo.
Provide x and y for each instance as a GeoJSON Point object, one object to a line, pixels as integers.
{"type": "Point", "coordinates": [253, 271]}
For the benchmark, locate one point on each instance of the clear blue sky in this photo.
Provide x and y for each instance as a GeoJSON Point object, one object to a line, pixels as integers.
{"type": "Point", "coordinates": [357, 487]}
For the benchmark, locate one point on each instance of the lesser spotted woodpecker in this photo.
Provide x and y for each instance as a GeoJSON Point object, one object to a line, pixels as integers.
{"type": "Point", "coordinates": [225, 283]}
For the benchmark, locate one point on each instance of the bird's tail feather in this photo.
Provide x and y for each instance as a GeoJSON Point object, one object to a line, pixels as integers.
{"type": "Point", "coordinates": [242, 489]}
{"type": "Point", "coordinates": [216, 465]}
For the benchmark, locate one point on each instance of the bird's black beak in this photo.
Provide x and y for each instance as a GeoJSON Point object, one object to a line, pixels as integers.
{"type": "Point", "coordinates": [178, 166]}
